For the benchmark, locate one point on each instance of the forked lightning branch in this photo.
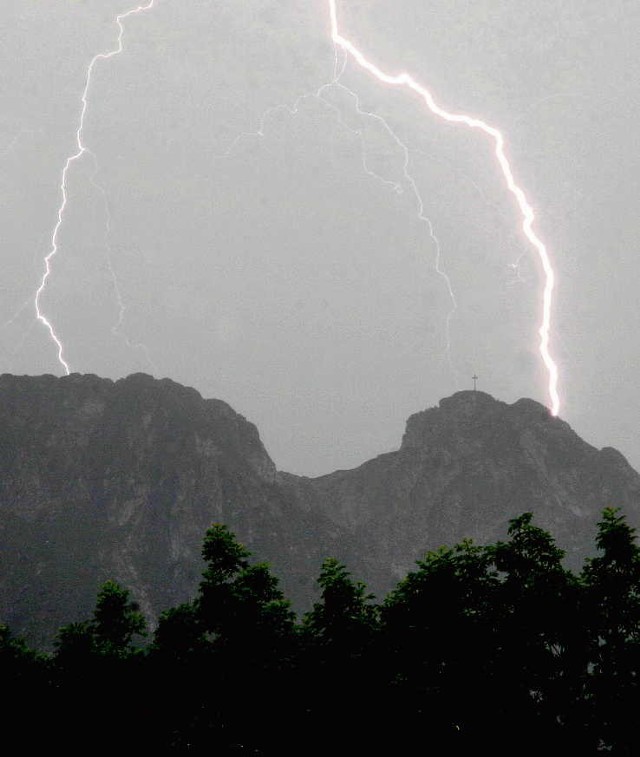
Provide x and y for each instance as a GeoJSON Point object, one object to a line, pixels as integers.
{"type": "Point", "coordinates": [403, 80]}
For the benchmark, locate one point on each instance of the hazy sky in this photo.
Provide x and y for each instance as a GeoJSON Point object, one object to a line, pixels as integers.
{"type": "Point", "coordinates": [237, 233]}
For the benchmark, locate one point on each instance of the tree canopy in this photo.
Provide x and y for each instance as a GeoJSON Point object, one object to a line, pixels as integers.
{"type": "Point", "coordinates": [497, 647]}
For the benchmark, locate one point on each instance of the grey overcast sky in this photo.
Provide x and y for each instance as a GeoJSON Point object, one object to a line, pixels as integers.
{"type": "Point", "coordinates": [236, 233]}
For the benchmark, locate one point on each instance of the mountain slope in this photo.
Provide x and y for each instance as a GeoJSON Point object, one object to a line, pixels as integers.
{"type": "Point", "coordinates": [463, 470]}
{"type": "Point", "coordinates": [103, 479]}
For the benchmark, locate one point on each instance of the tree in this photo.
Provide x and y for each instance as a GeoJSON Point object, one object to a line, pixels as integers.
{"type": "Point", "coordinates": [20, 666]}
{"type": "Point", "coordinates": [612, 618]}
{"type": "Point", "coordinates": [99, 669]}
{"type": "Point", "coordinates": [26, 684]}
{"type": "Point", "coordinates": [224, 555]}
{"type": "Point", "coordinates": [116, 621]}
{"type": "Point", "coordinates": [346, 617]}
{"type": "Point", "coordinates": [224, 660]}
{"type": "Point", "coordinates": [339, 682]}
{"type": "Point", "coordinates": [239, 603]}
{"type": "Point", "coordinates": [540, 660]}
{"type": "Point", "coordinates": [179, 634]}
{"type": "Point", "coordinates": [613, 583]}
{"type": "Point", "coordinates": [439, 632]}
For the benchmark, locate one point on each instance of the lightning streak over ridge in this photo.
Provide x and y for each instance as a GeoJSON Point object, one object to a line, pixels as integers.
{"type": "Point", "coordinates": [81, 149]}
{"type": "Point", "coordinates": [406, 80]}
{"type": "Point", "coordinates": [394, 186]}
{"type": "Point", "coordinates": [421, 213]}
{"type": "Point", "coordinates": [116, 329]}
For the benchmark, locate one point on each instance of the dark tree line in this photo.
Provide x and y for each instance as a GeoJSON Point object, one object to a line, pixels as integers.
{"type": "Point", "coordinates": [497, 649]}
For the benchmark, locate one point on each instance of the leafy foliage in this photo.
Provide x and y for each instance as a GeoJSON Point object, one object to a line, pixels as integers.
{"type": "Point", "coordinates": [116, 621]}
{"type": "Point", "coordinates": [477, 644]}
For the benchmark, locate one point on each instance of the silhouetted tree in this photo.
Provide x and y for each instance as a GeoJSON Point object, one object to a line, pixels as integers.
{"type": "Point", "coordinates": [338, 669]}
{"type": "Point", "coordinates": [345, 618]}
{"type": "Point", "coordinates": [440, 636]}
{"type": "Point", "coordinates": [540, 643]}
{"type": "Point", "coordinates": [612, 612]}
{"type": "Point", "coordinates": [496, 649]}
{"type": "Point", "coordinates": [100, 669]}
{"type": "Point", "coordinates": [27, 689]}
{"type": "Point", "coordinates": [116, 621]}
{"type": "Point", "coordinates": [233, 644]}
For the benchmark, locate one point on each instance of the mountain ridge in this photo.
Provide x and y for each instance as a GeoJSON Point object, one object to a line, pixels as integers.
{"type": "Point", "coordinates": [120, 479]}
{"type": "Point", "coordinates": [467, 466]}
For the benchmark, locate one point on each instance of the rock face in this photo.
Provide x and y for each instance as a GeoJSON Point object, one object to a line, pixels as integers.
{"type": "Point", "coordinates": [102, 479]}
{"type": "Point", "coordinates": [463, 470]}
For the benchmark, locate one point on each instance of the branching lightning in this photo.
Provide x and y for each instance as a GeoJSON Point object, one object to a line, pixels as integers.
{"type": "Point", "coordinates": [320, 95]}
{"type": "Point", "coordinates": [401, 80]}
{"type": "Point", "coordinates": [413, 186]}
{"type": "Point", "coordinates": [407, 81]}
{"type": "Point", "coordinates": [80, 150]}
{"type": "Point", "coordinates": [117, 328]}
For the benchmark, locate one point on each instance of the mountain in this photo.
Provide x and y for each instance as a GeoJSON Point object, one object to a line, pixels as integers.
{"type": "Point", "coordinates": [103, 479]}
{"type": "Point", "coordinates": [463, 470]}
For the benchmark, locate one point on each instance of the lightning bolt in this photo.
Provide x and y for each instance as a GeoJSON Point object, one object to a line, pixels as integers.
{"type": "Point", "coordinates": [117, 328]}
{"type": "Point", "coordinates": [403, 80]}
{"type": "Point", "coordinates": [411, 182]}
{"type": "Point", "coordinates": [395, 186]}
{"type": "Point", "coordinates": [407, 81]}
{"type": "Point", "coordinates": [80, 151]}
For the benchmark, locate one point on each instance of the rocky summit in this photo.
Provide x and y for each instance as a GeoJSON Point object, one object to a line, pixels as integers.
{"type": "Point", "coordinates": [103, 479]}
{"type": "Point", "coordinates": [463, 470]}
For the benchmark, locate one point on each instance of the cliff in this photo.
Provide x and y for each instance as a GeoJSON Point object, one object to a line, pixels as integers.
{"type": "Point", "coordinates": [463, 470]}
{"type": "Point", "coordinates": [103, 479]}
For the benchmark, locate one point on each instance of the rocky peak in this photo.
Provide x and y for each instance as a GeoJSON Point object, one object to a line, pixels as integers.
{"type": "Point", "coordinates": [134, 413]}
{"type": "Point", "coordinates": [468, 413]}
{"type": "Point", "coordinates": [120, 479]}
{"type": "Point", "coordinates": [466, 467]}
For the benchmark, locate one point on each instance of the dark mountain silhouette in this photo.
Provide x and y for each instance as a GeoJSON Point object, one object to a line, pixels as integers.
{"type": "Point", "coordinates": [103, 479]}
{"type": "Point", "coordinates": [463, 470]}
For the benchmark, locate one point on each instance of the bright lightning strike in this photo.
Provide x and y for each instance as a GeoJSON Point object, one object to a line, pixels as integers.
{"type": "Point", "coordinates": [393, 185]}
{"type": "Point", "coordinates": [81, 149]}
{"type": "Point", "coordinates": [406, 80]}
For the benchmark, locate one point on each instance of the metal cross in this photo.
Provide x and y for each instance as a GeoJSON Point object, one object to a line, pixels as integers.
{"type": "Point", "coordinates": [475, 381]}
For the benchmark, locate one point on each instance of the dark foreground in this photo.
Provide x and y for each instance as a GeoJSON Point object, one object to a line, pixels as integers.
{"type": "Point", "coordinates": [497, 649]}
